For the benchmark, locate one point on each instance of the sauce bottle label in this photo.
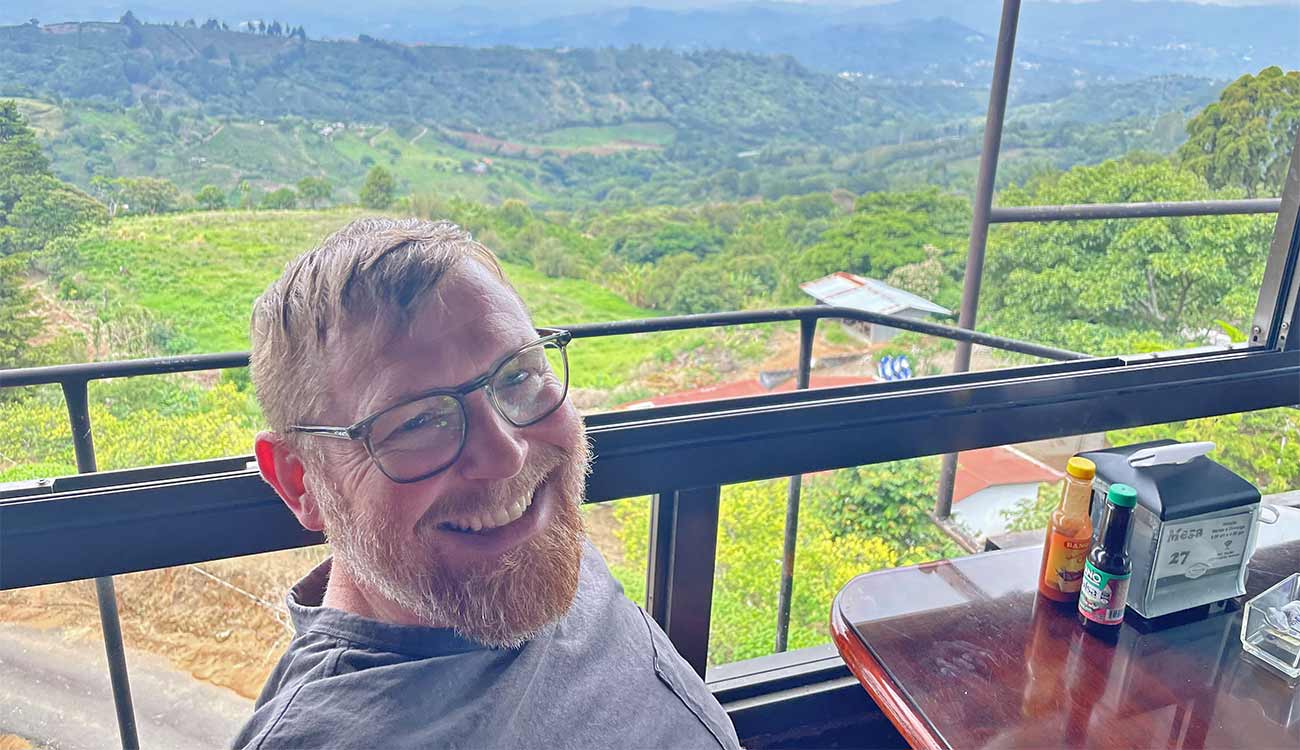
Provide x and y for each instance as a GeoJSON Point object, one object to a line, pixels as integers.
{"type": "Point", "coordinates": [1065, 560]}
{"type": "Point", "coordinates": [1102, 596]}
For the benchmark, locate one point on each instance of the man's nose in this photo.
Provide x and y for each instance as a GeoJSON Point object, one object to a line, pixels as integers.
{"type": "Point", "coordinates": [493, 447]}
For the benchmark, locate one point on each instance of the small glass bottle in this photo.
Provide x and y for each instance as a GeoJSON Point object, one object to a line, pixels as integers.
{"type": "Point", "coordinates": [1069, 534]}
{"type": "Point", "coordinates": [1106, 573]}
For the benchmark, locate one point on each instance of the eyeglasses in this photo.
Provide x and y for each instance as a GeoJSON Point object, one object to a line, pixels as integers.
{"type": "Point", "coordinates": [425, 434]}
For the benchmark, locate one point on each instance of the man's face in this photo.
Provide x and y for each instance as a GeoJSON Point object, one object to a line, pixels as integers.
{"type": "Point", "coordinates": [404, 542]}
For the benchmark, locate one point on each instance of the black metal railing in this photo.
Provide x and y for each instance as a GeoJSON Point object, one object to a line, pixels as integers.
{"type": "Point", "coordinates": [681, 454]}
{"type": "Point", "coordinates": [984, 214]}
{"type": "Point", "coordinates": [687, 516]}
{"type": "Point", "coordinates": [684, 454]}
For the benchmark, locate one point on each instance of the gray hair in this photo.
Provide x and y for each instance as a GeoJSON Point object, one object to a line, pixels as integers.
{"type": "Point", "coordinates": [374, 270]}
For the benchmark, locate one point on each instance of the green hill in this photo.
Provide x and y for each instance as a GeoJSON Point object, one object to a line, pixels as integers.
{"type": "Point", "coordinates": [715, 95]}
{"type": "Point", "coordinates": [189, 280]}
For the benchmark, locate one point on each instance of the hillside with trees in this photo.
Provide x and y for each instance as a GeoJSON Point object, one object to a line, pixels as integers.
{"type": "Point", "coordinates": [153, 179]}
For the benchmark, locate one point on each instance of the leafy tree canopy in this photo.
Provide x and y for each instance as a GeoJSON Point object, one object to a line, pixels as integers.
{"type": "Point", "coordinates": [886, 231]}
{"type": "Point", "coordinates": [379, 189]}
{"type": "Point", "coordinates": [315, 190]}
{"type": "Point", "coordinates": [283, 198]}
{"type": "Point", "coordinates": [35, 207]}
{"type": "Point", "coordinates": [1121, 286]}
{"type": "Point", "coordinates": [210, 198]}
{"type": "Point", "coordinates": [1245, 139]}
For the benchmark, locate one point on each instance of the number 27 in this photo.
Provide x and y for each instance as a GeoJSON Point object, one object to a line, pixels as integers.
{"type": "Point", "coordinates": [1178, 558]}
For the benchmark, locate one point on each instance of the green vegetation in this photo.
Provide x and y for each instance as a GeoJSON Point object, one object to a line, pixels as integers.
{"type": "Point", "coordinates": [650, 133]}
{"type": "Point", "coordinates": [613, 185]}
{"type": "Point", "coordinates": [1123, 286]}
{"type": "Point", "coordinates": [1244, 139]}
{"type": "Point", "coordinates": [36, 210]}
{"type": "Point", "coordinates": [378, 191]}
{"type": "Point", "coordinates": [853, 522]}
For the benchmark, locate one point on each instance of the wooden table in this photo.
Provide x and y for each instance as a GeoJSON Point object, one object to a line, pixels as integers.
{"type": "Point", "coordinates": [963, 654]}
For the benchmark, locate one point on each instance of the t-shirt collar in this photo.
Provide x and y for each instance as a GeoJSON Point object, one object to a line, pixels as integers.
{"type": "Point", "coordinates": [309, 615]}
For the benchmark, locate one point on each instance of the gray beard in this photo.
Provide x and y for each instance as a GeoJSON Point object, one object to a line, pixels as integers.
{"type": "Point", "coordinates": [501, 605]}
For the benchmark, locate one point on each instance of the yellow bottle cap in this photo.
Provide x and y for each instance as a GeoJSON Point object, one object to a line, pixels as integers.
{"type": "Point", "coordinates": [1081, 468]}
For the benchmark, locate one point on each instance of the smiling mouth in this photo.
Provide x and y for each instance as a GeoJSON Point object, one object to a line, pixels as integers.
{"type": "Point", "coordinates": [487, 522]}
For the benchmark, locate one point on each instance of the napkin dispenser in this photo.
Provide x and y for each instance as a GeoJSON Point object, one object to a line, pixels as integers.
{"type": "Point", "coordinates": [1193, 528]}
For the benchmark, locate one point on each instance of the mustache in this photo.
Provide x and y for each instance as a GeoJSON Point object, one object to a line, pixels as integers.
{"type": "Point", "coordinates": [543, 463]}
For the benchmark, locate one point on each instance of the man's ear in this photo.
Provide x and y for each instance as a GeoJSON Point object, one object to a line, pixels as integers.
{"type": "Point", "coordinates": [282, 468]}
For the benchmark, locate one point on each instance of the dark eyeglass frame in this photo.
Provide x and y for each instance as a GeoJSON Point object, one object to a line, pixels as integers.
{"type": "Point", "coordinates": [362, 430]}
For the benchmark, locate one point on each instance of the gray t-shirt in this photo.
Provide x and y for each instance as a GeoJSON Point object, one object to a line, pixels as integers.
{"type": "Point", "coordinates": [604, 675]}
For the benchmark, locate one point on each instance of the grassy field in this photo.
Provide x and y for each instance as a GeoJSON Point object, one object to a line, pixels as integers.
{"type": "Point", "coordinates": [272, 153]}
{"type": "Point", "coordinates": [653, 133]}
{"type": "Point", "coordinates": [197, 274]}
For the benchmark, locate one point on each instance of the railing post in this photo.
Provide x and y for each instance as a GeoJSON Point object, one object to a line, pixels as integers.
{"type": "Point", "coordinates": [807, 332]}
{"type": "Point", "coordinates": [979, 228]}
{"type": "Point", "coordinates": [75, 395]}
{"type": "Point", "coordinates": [683, 549]}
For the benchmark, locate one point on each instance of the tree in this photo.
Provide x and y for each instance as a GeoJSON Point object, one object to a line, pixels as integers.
{"type": "Point", "coordinates": [148, 195]}
{"type": "Point", "coordinates": [891, 502]}
{"type": "Point", "coordinates": [702, 288]}
{"type": "Point", "coordinates": [886, 231]}
{"type": "Point", "coordinates": [1122, 286]}
{"type": "Point", "coordinates": [210, 198]}
{"type": "Point", "coordinates": [379, 188]}
{"type": "Point", "coordinates": [315, 190]}
{"type": "Point", "coordinates": [50, 208]}
{"type": "Point", "coordinates": [283, 198]}
{"type": "Point", "coordinates": [20, 153]}
{"type": "Point", "coordinates": [17, 324]}
{"type": "Point", "coordinates": [35, 206]}
{"type": "Point", "coordinates": [1245, 138]}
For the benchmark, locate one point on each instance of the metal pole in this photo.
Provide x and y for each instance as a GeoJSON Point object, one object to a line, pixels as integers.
{"type": "Point", "coordinates": [979, 229]}
{"type": "Point", "coordinates": [807, 331]}
{"type": "Point", "coordinates": [1156, 209]}
{"type": "Point", "coordinates": [76, 397]}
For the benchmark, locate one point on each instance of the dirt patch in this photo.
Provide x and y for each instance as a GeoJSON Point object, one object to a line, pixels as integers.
{"type": "Point", "coordinates": [61, 317]}
{"type": "Point", "coordinates": [502, 147]}
{"type": "Point", "coordinates": [14, 742]}
{"type": "Point", "coordinates": [223, 622]}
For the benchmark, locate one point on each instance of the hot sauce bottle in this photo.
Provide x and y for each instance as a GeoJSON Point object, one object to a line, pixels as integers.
{"type": "Point", "coordinates": [1069, 534]}
{"type": "Point", "coordinates": [1106, 573]}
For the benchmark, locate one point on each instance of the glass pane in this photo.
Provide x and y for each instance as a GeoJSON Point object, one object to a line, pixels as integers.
{"type": "Point", "coordinates": [620, 530]}
{"type": "Point", "coordinates": [141, 421]}
{"type": "Point", "coordinates": [200, 641]}
{"type": "Point", "coordinates": [851, 521]}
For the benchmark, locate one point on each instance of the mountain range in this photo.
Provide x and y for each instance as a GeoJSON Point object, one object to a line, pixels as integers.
{"type": "Point", "coordinates": [1059, 44]}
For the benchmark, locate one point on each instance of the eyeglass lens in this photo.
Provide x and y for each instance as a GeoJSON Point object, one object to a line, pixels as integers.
{"type": "Point", "coordinates": [425, 436]}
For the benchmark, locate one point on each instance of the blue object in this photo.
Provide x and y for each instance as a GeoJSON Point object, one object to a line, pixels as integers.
{"type": "Point", "coordinates": [894, 368]}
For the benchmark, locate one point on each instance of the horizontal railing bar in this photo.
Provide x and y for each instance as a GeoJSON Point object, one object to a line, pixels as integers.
{"type": "Point", "coordinates": [190, 363]}
{"type": "Point", "coordinates": [124, 368]}
{"type": "Point", "coordinates": [154, 525]}
{"type": "Point", "coordinates": [1088, 211]}
{"type": "Point", "coordinates": [859, 425]}
{"type": "Point", "coordinates": [817, 312]}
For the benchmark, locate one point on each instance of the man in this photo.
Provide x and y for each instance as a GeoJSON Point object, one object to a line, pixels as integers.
{"type": "Point", "coordinates": [420, 421]}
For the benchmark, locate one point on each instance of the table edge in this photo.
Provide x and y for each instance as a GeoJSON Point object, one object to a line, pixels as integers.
{"type": "Point", "coordinates": [901, 711]}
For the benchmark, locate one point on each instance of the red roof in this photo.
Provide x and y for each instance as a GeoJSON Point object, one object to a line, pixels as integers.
{"type": "Point", "coordinates": [976, 469]}
{"type": "Point", "coordinates": [741, 388]}
{"type": "Point", "coordinates": [989, 467]}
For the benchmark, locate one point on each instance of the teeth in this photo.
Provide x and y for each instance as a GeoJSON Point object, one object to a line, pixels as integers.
{"type": "Point", "coordinates": [492, 520]}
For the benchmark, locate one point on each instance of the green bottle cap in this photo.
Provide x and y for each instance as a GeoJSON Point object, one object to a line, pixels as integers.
{"type": "Point", "coordinates": [1122, 495]}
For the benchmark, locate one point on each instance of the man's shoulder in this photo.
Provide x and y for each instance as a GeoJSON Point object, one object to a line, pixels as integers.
{"type": "Point", "coordinates": [311, 657]}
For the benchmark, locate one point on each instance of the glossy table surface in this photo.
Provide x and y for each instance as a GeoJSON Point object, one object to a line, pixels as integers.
{"type": "Point", "coordinates": [964, 654]}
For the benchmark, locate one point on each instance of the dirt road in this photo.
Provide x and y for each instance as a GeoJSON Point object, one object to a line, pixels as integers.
{"type": "Point", "coordinates": [56, 693]}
